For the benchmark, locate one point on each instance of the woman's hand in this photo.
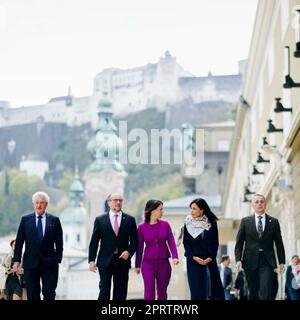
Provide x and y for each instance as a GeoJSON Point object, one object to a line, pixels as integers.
{"type": "Point", "coordinates": [199, 260]}
{"type": "Point", "coordinates": [202, 262]}
{"type": "Point", "coordinates": [137, 270]}
{"type": "Point", "coordinates": [175, 262]}
{"type": "Point", "coordinates": [207, 260]}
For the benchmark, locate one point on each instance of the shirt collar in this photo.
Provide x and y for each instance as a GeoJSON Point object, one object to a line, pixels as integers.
{"type": "Point", "coordinates": [262, 215]}
{"type": "Point", "coordinates": [43, 215]}
{"type": "Point", "coordinates": [112, 214]}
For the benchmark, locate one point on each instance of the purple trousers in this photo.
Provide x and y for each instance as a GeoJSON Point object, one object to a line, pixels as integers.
{"type": "Point", "coordinates": [156, 273]}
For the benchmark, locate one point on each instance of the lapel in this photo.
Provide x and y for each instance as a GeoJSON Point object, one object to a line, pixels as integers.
{"type": "Point", "coordinates": [108, 225]}
{"type": "Point", "coordinates": [32, 225]}
{"type": "Point", "coordinates": [253, 226]}
{"type": "Point", "coordinates": [48, 221]}
{"type": "Point", "coordinates": [267, 225]}
{"type": "Point", "coordinates": [123, 221]}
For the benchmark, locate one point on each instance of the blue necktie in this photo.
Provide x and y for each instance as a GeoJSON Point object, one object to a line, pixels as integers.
{"type": "Point", "coordinates": [40, 228]}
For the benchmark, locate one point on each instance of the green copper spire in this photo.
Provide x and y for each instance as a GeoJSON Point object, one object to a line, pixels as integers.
{"type": "Point", "coordinates": [105, 146]}
{"type": "Point", "coordinates": [75, 212]}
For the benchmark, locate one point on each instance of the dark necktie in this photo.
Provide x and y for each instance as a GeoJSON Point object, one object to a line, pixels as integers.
{"type": "Point", "coordinates": [260, 227]}
{"type": "Point", "coordinates": [40, 228]}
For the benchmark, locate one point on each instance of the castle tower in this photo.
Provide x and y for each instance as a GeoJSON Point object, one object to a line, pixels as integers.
{"type": "Point", "coordinates": [106, 174]}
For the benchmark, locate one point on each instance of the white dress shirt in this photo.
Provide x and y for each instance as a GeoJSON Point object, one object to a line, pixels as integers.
{"type": "Point", "coordinates": [112, 218]}
{"type": "Point", "coordinates": [43, 221]}
{"type": "Point", "coordinates": [263, 220]}
{"type": "Point", "coordinates": [222, 272]}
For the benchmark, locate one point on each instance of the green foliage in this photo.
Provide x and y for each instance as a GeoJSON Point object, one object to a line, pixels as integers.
{"type": "Point", "coordinates": [147, 119]}
{"type": "Point", "coordinates": [65, 182]}
{"type": "Point", "coordinates": [21, 187]}
{"type": "Point", "coordinates": [164, 189]}
{"type": "Point", "coordinates": [143, 176]}
{"type": "Point", "coordinates": [72, 151]}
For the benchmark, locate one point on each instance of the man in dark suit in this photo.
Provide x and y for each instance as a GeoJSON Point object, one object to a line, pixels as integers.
{"type": "Point", "coordinates": [254, 250]}
{"type": "Point", "coordinates": [117, 233]}
{"type": "Point", "coordinates": [226, 276]}
{"type": "Point", "coordinates": [43, 237]}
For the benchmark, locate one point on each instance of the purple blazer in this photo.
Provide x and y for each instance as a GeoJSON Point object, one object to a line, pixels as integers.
{"type": "Point", "coordinates": [159, 242]}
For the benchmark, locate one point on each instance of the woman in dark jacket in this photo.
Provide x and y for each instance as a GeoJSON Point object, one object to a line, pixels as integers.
{"type": "Point", "coordinates": [292, 288]}
{"type": "Point", "coordinates": [201, 242]}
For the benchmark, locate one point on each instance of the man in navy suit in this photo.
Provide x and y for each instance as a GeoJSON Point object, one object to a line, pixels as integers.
{"type": "Point", "coordinates": [117, 233]}
{"type": "Point", "coordinates": [254, 250]}
{"type": "Point", "coordinates": [43, 237]}
{"type": "Point", "coordinates": [226, 275]}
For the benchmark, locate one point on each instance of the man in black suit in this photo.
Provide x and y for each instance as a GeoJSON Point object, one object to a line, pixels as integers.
{"type": "Point", "coordinates": [254, 250]}
{"type": "Point", "coordinates": [117, 233]}
{"type": "Point", "coordinates": [43, 237]}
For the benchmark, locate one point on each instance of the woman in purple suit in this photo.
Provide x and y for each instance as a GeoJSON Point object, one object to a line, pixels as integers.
{"type": "Point", "coordinates": [153, 261]}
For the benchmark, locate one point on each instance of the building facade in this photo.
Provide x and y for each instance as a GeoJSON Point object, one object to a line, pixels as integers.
{"type": "Point", "coordinates": [265, 151]}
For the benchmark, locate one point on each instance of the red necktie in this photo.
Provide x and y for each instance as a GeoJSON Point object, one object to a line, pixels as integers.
{"type": "Point", "coordinates": [116, 225]}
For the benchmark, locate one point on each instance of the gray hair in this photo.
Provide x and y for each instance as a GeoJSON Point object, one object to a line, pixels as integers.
{"type": "Point", "coordinates": [114, 194]}
{"type": "Point", "coordinates": [41, 194]}
{"type": "Point", "coordinates": [259, 195]}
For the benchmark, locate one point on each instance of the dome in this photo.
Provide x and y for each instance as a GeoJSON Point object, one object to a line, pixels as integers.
{"type": "Point", "coordinates": [73, 215]}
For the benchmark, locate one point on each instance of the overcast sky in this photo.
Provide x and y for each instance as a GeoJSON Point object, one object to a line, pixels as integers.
{"type": "Point", "coordinates": [47, 45]}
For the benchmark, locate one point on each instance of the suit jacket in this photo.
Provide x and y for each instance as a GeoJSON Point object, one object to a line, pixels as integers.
{"type": "Point", "coordinates": [127, 239]}
{"type": "Point", "coordinates": [156, 242]}
{"type": "Point", "coordinates": [248, 243]}
{"type": "Point", "coordinates": [227, 281]}
{"type": "Point", "coordinates": [204, 246]}
{"type": "Point", "coordinates": [48, 251]}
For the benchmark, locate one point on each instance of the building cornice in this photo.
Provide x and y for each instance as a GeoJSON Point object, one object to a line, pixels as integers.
{"type": "Point", "coordinates": [270, 181]}
{"type": "Point", "coordinates": [235, 143]}
{"type": "Point", "coordinates": [295, 128]}
{"type": "Point", "coordinates": [265, 15]}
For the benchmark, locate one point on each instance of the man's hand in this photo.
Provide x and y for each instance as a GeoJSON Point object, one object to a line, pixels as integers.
{"type": "Point", "coordinates": [124, 255]}
{"type": "Point", "coordinates": [16, 266]}
{"type": "Point", "coordinates": [93, 266]}
{"type": "Point", "coordinates": [238, 266]}
{"type": "Point", "coordinates": [281, 268]}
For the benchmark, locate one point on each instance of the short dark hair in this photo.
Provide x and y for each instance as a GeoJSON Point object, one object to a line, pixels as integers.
{"type": "Point", "coordinates": [259, 195]}
{"type": "Point", "coordinates": [150, 206]}
{"type": "Point", "coordinates": [202, 205]}
{"type": "Point", "coordinates": [224, 257]}
{"type": "Point", "coordinates": [295, 256]}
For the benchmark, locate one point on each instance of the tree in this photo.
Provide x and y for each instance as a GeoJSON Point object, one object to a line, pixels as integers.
{"type": "Point", "coordinates": [18, 201]}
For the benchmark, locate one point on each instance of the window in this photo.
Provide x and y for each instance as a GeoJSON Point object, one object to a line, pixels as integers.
{"type": "Point", "coordinates": [223, 145]}
{"type": "Point", "coordinates": [78, 237]}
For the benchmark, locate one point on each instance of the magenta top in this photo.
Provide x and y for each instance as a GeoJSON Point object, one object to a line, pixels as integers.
{"type": "Point", "coordinates": [159, 241]}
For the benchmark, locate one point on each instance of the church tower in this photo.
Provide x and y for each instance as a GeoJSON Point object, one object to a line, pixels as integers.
{"type": "Point", "coordinates": [106, 174]}
{"type": "Point", "coordinates": [73, 217]}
